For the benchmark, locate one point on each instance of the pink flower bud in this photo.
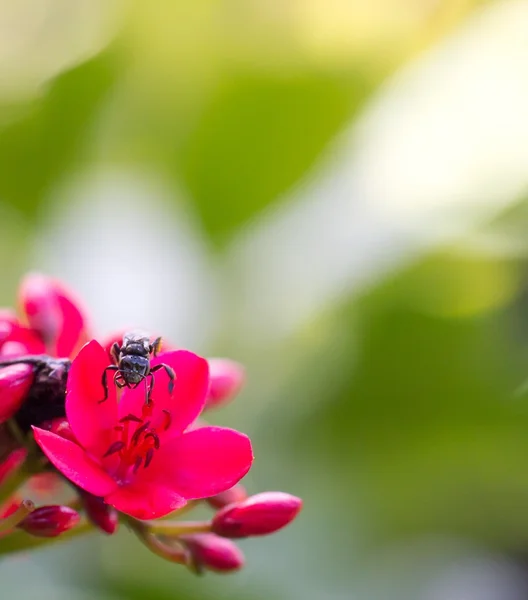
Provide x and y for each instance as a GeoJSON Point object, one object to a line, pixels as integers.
{"type": "Point", "coordinates": [15, 383]}
{"type": "Point", "coordinates": [50, 521]}
{"type": "Point", "coordinates": [208, 551]}
{"type": "Point", "coordinates": [258, 515]}
{"type": "Point", "coordinates": [101, 514]}
{"type": "Point", "coordinates": [233, 495]}
{"type": "Point", "coordinates": [226, 379]}
{"type": "Point", "coordinates": [12, 463]}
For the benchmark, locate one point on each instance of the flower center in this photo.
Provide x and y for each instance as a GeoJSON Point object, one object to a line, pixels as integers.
{"type": "Point", "coordinates": [139, 438]}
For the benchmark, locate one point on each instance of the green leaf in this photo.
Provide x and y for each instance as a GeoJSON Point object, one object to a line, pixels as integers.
{"type": "Point", "coordinates": [48, 141]}
{"type": "Point", "coordinates": [258, 135]}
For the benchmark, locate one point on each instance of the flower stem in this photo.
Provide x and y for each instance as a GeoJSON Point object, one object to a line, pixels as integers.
{"type": "Point", "coordinates": [176, 528]}
{"type": "Point", "coordinates": [16, 517]}
{"type": "Point", "coordinates": [12, 483]}
{"type": "Point", "coordinates": [19, 541]}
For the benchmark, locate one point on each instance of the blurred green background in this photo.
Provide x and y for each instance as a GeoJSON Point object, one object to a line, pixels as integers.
{"type": "Point", "coordinates": [333, 192]}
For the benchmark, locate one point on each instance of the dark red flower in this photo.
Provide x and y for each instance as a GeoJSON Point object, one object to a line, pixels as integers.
{"type": "Point", "coordinates": [139, 457]}
{"type": "Point", "coordinates": [101, 514]}
{"type": "Point", "coordinates": [50, 521]}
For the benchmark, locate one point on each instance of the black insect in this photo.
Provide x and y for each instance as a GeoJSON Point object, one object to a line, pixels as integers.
{"type": "Point", "coordinates": [132, 364]}
{"type": "Point", "coordinates": [47, 395]}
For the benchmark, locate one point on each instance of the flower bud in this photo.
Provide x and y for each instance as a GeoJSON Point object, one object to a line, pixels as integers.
{"type": "Point", "coordinates": [101, 514]}
{"type": "Point", "coordinates": [258, 515]}
{"type": "Point", "coordinates": [45, 484]}
{"type": "Point", "coordinates": [208, 551]}
{"type": "Point", "coordinates": [53, 313]}
{"type": "Point", "coordinates": [233, 495]}
{"type": "Point", "coordinates": [226, 379]}
{"type": "Point", "coordinates": [12, 463]}
{"type": "Point", "coordinates": [50, 521]}
{"type": "Point", "coordinates": [15, 383]}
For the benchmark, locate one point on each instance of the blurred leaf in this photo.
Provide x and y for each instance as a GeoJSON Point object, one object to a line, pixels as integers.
{"type": "Point", "coordinates": [48, 141]}
{"type": "Point", "coordinates": [413, 418]}
{"type": "Point", "coordinates": [258, 136]}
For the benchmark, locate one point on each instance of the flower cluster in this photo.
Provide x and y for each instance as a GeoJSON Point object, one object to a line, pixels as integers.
{"type": "Point", "coordinates": [130, 449]}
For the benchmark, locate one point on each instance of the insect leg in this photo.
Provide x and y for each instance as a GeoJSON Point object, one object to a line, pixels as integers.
{"type": "Point", "coordinates": [115, 350]}
{"type": "Point", "coordinates": [170, 372]}
{"type": "Point", "coordinates": [104, 380]}
{"type": "Point", "coordinates": [149, 388]}
{"type": "Point", "coordinates": [155, 347]}
{"type": "Point", "coordinates": [119, 380]}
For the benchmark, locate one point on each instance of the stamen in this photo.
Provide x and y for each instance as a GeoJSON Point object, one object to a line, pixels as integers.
{"type": "Point", "coordinates": [131, 417]}
{"type": "Point", "coordinates": [148, 457]}
{"type": "Point", "coordinates": [137, 464]}
{"type": "Point", "coordinates": [168, 419]}
{"type": "Point", "coordinates": [147, 409]}
{"type": "Point", "coordinates": [115, 447]}
{"type": "Point", "coordinates": [155, 437]}
{"type": "Point", "coordinates": [138, 432]}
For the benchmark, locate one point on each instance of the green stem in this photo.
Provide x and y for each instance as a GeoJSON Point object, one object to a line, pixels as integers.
{"type": "Point", "coordinates": [176, 528]}
{"type": "Point", "coordinates": [12, 483]}
{"type": "Point", "coordinates": [154, 544]}
{"type": "Point", "coordinates": [16, 517]}
{"type": "Point", "coordinates": [19, 541]}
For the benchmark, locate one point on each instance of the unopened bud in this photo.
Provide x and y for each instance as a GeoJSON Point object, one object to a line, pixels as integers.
{"type": "Point", "coordinates": [12, 463]}
{"type": "Point", "coordinates": [209, 551]}
{"type": "Point", "coordinates": [226, 378]}
{"type": "Point", "coordinates": [101, 514]}
{"type": "Point", "coordinates": [53, 313]}
{"type": "Point", "coordinates": [235, 494]}
{"type": "Point", "coordinates": [15, 383]}
{"type": "Point", "coordinates": [50, 521]}
{"type": "Point", "coordinates": [258, 515]}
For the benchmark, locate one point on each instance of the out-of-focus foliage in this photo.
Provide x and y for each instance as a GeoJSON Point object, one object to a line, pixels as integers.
{"type": "Point", "coordinates": [332, 193]}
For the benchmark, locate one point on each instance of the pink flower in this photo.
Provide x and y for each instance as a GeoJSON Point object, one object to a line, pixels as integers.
{"type": "Point", "coordinates": [139, 457]}
{"type": "Point", "coordinates": [53, 320]}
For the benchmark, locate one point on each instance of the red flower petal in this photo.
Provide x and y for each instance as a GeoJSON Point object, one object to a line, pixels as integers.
{"type": "Point", "coordinates": [200, 463]}
{"type": "Point", "coordinates": [22, 340]}
{"type": "Point", "coordinates": [8, 320]}
{"type": "Point", "coordinates": [187, 399]}
{"type": "Point", "coordinates": [147, 501]}
{"type": "Point", "coordinates": [52, 311]}
{"type": "Point", "coordinates": [74, 463]}
{"type": "Point", "coordinates": [91, 420]}
{"type": "Point", "coordinates": [15, 383]}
